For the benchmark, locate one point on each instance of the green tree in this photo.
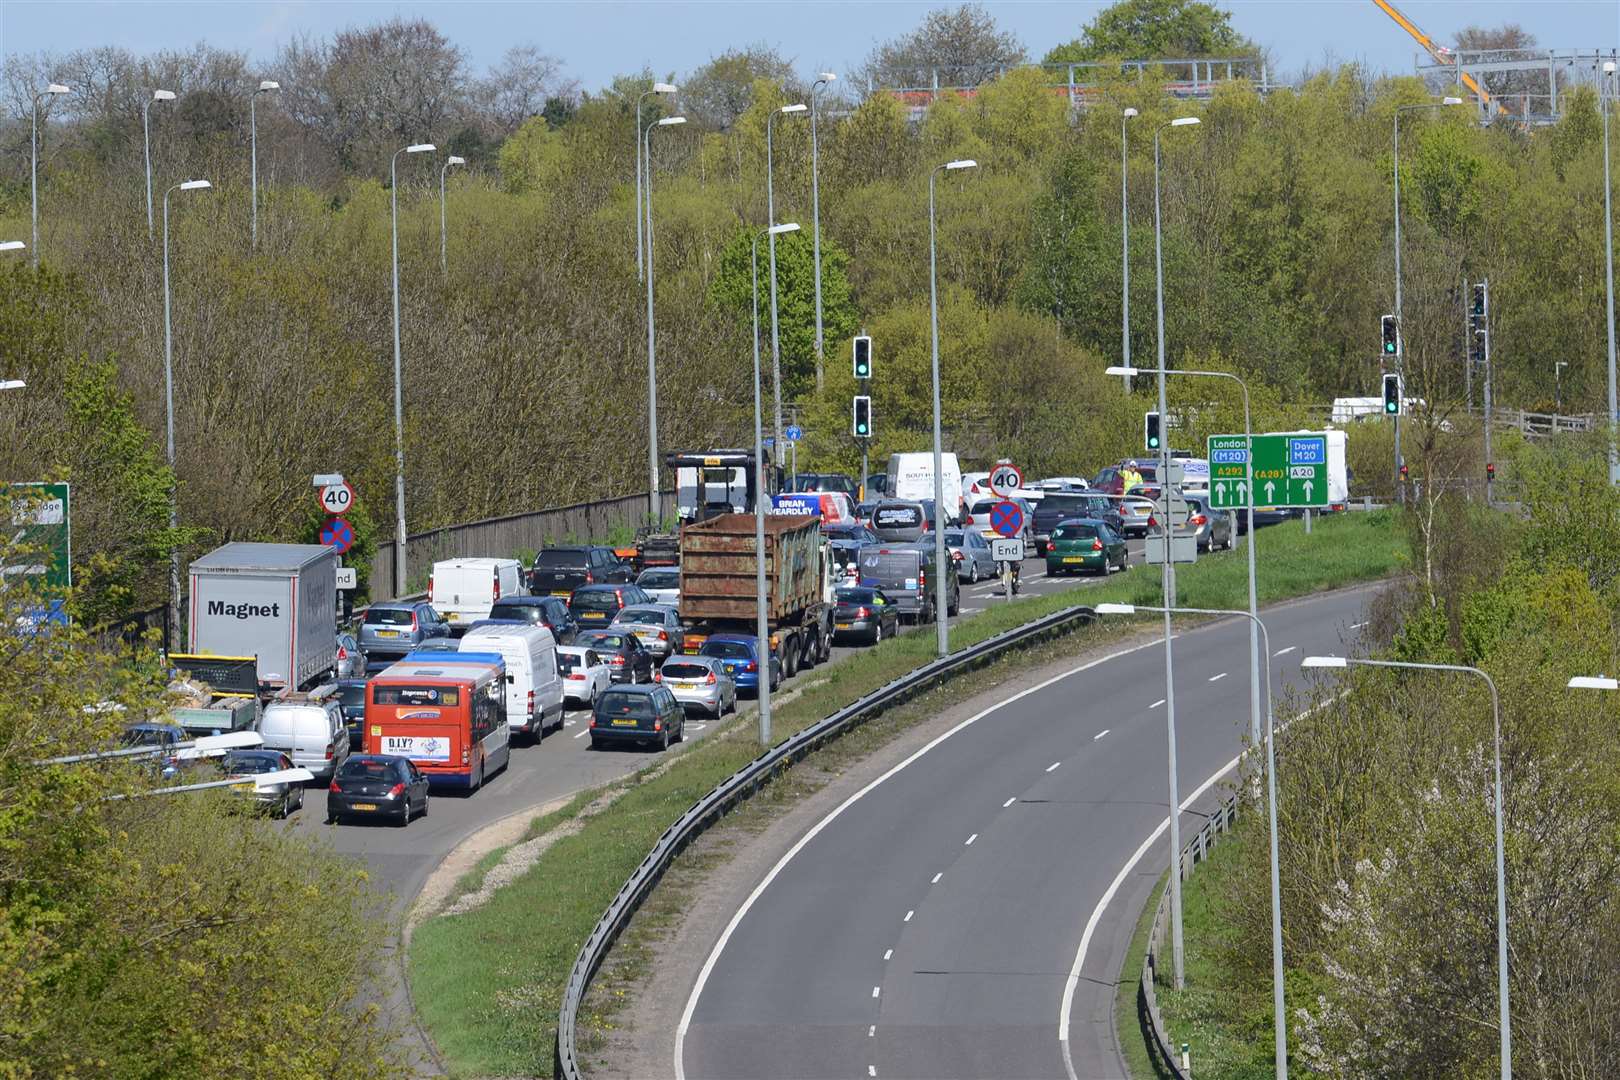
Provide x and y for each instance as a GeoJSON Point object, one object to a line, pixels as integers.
{"type": "Point", "coordinates": [1148, 29]}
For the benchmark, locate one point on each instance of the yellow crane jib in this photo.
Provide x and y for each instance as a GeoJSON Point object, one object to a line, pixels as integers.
{"type": "Point", "coordinates": [1440, 55]}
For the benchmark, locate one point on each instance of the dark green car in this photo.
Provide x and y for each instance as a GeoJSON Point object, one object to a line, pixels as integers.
{"type": "Point", "coordinates": [1084, 544]}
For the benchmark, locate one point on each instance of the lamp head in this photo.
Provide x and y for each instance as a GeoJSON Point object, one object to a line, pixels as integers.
{"type": "Point", "coordinates": [1590, 682]}
{"type": "Point", "coordinates": [12, 245]}
{"type": "Point", "coordinates": [58, 88]}
{"type": "Point", "coordinates": [1130, 113]}
{"type": "Point", "coordinates": [785, 227]}
{"type": "Point", "coordinates": [1115, 609]}
{"type": "Point", "coordinates": [454, 160]}
{"type": "Point", "coordinates": [1120, 370]}
{"type": "Point", "coordinates": [163, 95]}
{"type": "Point", "coordinates": [420, 148]}
{"type": "Point", "coordinates": [1324, 662]}
{"type": "Point", "coordinates": [195, 185]}
{"type": "Point", "coordinates": [268, 84]}
{"type": "Point", "coordinates": [1451, 101]}
{"type": "Point", "coordinates": [797, 107]}
{"type": "Point", "coordinates": [664, 88]}
{"type": "Point", "coordinates": [828, 76]}
{"type": "Point", "coordinates": [964, 163]}
{"type": "Point", "coordinates": [1185, 121]}
{"type": "Point", "coordinates": [1608, 67]}
{"type": "Point", "coordinates": [670, 120]}
{"type": "Point", "coordinates": [12, 384]}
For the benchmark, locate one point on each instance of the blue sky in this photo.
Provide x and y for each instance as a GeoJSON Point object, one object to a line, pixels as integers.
{"type": "Point", "coordinates": [595, 40]}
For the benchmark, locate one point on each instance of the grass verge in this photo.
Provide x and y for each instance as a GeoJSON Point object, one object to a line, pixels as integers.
{"type": "Point", "coordinates": [488, 983]}
{"type": "Point", "coordinates": [1127, 1021]}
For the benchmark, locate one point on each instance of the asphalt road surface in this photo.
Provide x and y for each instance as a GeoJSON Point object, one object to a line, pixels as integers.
{"type": "Point", "coordinates": [928, 928]}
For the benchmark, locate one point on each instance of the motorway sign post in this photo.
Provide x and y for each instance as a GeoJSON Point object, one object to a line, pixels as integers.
{"type": "Point", "coordinates": [1007, 519]}
{"type": "Point", "coordinates": [1290, 470]}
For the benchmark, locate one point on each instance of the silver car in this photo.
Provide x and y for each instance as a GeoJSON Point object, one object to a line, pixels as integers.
{"type": "Point", "coordinates": [663, 584]}
{"type": "Point", "coordinates": [657, 626]}
{"type": "Point", "coordinates": [700, 683]}
{"type": "Point", "coordinates": [1134, 512]}
{"type": "Point", "coordinates": [971, 553]}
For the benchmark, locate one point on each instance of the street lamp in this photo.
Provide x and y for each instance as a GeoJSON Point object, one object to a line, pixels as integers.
{"type": "Point", "coordinates": [763, 629]}
{"type": "Point", "coordinates": [146, 131]}
{"type": "Point", "coordinates": [657, 88]}
{"type": "Point", "coordinates": [1400, 330]}
{"type": "Point", "coordinates": [653, 507]}
{"type": "Point", "coordinates": [770, 218]}
{"type": "Point", "coordinates": [12, 245]}
{"type": "Point", "coordinates": [265, 87]}
{"type": "Point", "coordinates": [941, 564]}
{"type": "Point", "coordinates": [1280, 1021]}
{"type": "Point", "coordinates": [444, 243]}
{"type": "Point", "coordinates": [33, 168]}
{"type": "Point", "coordinates": [168, 400]}
{"type": "Point", "coordinates": [399, 393]}
{"type": "Point", "coordinates": [1608, 270]}
{"type": "Point", "coordinates": [1125, 243]}
{"type": "Point", "coordinates": [815, 210]}
{"type": "Point", "coordinates": [1504, 1018]}
{"type": "Point", "coordinates": [12, 384]}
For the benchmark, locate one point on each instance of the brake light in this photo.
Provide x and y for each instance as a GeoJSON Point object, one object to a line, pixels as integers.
{"type": "Point", "coordinates": [343, 652]}
{"type": "Point", "coordinates": [658, 725]}
{"type": "Point", "coordinates": [711, 680]}
{"type": "Point", "coordinates": [922, 579]}
{"type": "Point", "coordinates": [396, 791]}
{"type": "Point", "coordinates": [465, 758]}
{"type": "Point", "coordinates": [328, 751]}
{"type": "Point", "coordinates": [616, 661]}
{"type": "Point", "coordinates": [580, 675]}
{"type": "Point", "coordinates": [1198, 519]}
{"type": "Point", "coordinates": [495, 582]}
{"type": "Point", "coordinates": [590, 579]}
{"type": "Point", "coordinates": [531, 702]}
{"type": "Point", "coordinates": [956, 555]}
{"type": "Point", "coordinates": [658, 676]}
{"type": "Point", "coordinates": [1096, 545]}
{"type": "Point", "coordinates": [863, 613]}
{"type": "Point", "coordinates": [413, 622]}
{"type": "Point", "coordinates": [592, 723]}
{"type": "Point", "coordinates": [753, 665]}
{"type": "Point", "coordinates": [334, 787]}
{"type": "Point", "coordinates": [430, 584]}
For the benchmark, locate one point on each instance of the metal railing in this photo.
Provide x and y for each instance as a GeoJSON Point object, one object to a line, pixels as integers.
{"type": "Point", "coordinates": [750, 778]}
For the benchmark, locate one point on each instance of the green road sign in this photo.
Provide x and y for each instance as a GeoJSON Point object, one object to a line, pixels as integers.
{"type": "Point", "coordinates": [41, 522]}
{"type": "Point", "coordinates": [1289, 470]}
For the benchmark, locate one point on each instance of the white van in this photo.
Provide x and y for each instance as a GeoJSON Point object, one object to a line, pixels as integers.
{"type": "Point", "coordinates": [309, 729]}
{"type": "Point", "coordinates": [534, 687]}
{"type": "Point", "coordinates": [911, 478]}
{"type": "Point", "coordinates": [463, 590]}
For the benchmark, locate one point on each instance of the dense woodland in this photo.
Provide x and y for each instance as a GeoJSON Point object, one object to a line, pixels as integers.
{"type": "Point", "coordinates": [525, 362]}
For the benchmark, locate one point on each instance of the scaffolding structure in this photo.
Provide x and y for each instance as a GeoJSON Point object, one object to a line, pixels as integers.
{"type": "Point", "coordinates": [1530, 83]}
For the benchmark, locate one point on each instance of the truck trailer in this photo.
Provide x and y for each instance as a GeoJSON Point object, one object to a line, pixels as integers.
{"type": "Point", "coordinates": [274, 602]}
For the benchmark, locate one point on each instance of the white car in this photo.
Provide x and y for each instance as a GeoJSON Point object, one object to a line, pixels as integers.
{"type": "Point", "coordinates": [585, 675]}
{"type": "Point", "coordinates": [663, 584]}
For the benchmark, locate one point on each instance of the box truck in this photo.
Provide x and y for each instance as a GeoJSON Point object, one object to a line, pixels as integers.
{"type": "Point", "coordinates": [274, 602]}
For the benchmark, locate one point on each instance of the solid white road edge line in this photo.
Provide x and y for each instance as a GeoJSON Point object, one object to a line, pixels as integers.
{"type": "Point", "coordinates": [815, 830]}
{"type": "Point", "coordinates": [1285, 652]}
{"type": "Point", "coordinates": [1218, 678]}
{"type": "Point", "coordinates": [1073, 981]}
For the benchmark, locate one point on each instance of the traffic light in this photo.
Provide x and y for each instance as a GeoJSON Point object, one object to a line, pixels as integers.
{"type": "Point", "coordinates": [1392, 394]}
{"type": "Point", "coordinates": [1478, 309]}
{"type": "Point", "coordinates": [1490, 471]}
{"type": "Point", "coordinates": [1403, 471]}
{"type": "Point", "coordinates": [1150, 430]}
{"type": "Point", "coordinates": [863, 357]}
{"type": "Point", "coordinates": [861, 421]}
{"type": "Point", "coordinates": [1391, 336]}
{"type": "Point", "coordinates": [1476, 347]}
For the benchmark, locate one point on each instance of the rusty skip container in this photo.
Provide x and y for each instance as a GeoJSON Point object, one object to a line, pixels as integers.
{"type": "Point", "coordinates": [718, 568]}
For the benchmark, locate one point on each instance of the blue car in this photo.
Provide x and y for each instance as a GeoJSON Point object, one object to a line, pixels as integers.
{"type": "Point", "coordinates": [739, 653]}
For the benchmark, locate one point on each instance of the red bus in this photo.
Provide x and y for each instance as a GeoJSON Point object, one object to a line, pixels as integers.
{"type": "Point", "coordinates": [447, 715]}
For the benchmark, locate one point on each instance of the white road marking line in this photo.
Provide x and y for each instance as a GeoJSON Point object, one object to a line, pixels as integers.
{"type": "Point", "coordinates": [909, 914]}
{"type": "Point", "coordinates": [887, 953]}
{"type": "Point", "coordinates": [871, 1070]}
{"type": "Point", "coordinates": [871, 1032]}
{"type": "Point", "coordinates": [1285, 652]}
{"type": "Point", "coordinates": [736, 919]}
{"type": "Point", "coordinates": [1100, 734]}
{"type": "Point", "coordinates": [1217, 678]}
{"type": "Point", "coordinates": [875, 990]}
{"type": "Point", "coordinates": [1357, 626]}
{"type": "Point", "coordinates": [582, 734]}
{"type": "Point", "coordinates": [1009, 802]}
{"type": "Point", "coordinates": [1156, 704]}
{"type": "Point", "coordinates": [1053, 766]}
{"type": "Point", "coordinates": [937, 876]}
{"type": "Point", "coordinates": [970, 840]}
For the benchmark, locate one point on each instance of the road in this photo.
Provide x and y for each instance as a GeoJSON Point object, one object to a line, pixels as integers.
{"type": "Point", "coordinates": [928, 927]}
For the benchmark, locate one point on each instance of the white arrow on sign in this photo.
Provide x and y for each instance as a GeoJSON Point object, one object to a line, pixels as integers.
{"type": "Point", "coordinates": [1243, 491]}
{"type": "Point", "coordinates": [1307, 491]}
{"type": "Point", "coordinates": [1271, 492]}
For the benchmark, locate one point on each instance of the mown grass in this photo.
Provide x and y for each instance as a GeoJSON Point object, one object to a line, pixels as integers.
{"type": "Point", "coordinates": [488, 983]}
{"type": "Point", "coordinates": [1138, 1061]}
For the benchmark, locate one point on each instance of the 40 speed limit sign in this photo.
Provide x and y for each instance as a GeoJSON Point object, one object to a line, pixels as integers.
{"type": "Point", "coordinates": [337, 499]}
{"type": "Point", "coordinates": [1005, 479]}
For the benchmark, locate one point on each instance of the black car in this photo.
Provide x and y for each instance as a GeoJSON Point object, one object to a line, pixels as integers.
{"type": "Point", "coordinates": [621, 651]}
{"type": "Point", "coordinates": [599, 605]}
{"type": "Point", "coordinates": [377, 785]}
{"type": "Point", "coordinates": [558, 571]}
{"type": "Point", "coordinates": [1061, 505]}
{"type": "Point", "coordinates": [851, 530]}
{"type": "Point", "coordinates": [807, 481]}
{"type": "Point", "coordinates": [352, 700]}
{"type": "Point", "coordinates": [639, 714]}
{"type": "Point", "coordinates": [864, 614]}
{"type": "Point", "coordinates": [548, 611]}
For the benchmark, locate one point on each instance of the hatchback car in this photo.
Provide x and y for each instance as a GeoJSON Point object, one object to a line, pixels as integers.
{"type": "Point", "coordinates": [351, 694]}
{"type": "Point", "coordinates": [864, 615]}
{"type": "Point", "coordinates": [739, 657]}
{"type": "Point", "coordinates": [377, 785]}
{"type": "Point", "coordinates": [585, 675]}
{"type": "Point", "coordinates": [638, 714]}
{"type": "Point", "coordinates": [663, 584]}
{"type": "Point", "coordinates": [1085, 544]}
{"type": "Point", "coordinates": [599, 605]}
{"type": "Point", "coordinates": [657, 625]}
{"type": "Point", "coordinates": [1134, 513]}
{"type": "Point", "coordinates": [396, 627]}
{"type": "Point", "coordinates": [621, 650]}
{"type": "Point", "coordinates": [152, 734]}
{"type": "Point", "coordinates": [548, 611]}
{"type": "Point", "coordinates": [700, 683]}
{"type": "Point", "coordinates": [351, 658]}
{"type": "Point", "coordinates": [970, 551]}
{"type": "Point", "coordinates": [1213, 528]}
{"type": "Point", "coordinates": [281, 798]}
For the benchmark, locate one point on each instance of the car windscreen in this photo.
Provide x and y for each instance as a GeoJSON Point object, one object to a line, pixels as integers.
{"type": "Point", "coordinates": [953, 539]}
{"type": "Point", "coordinates": [659, 579]}
{"type": "Point", "coordinates": [642, 615]}
{"type": "Point", "coordinates": [639, 706]}
{"type": "Point", "coordinates": [855, 596]}
{"type": "Point", "coordinates": [728, 650]}
{"type": "Point", "coordinates": [352, 693]}
{"type": "Point", "coordinates": [522, 612]}
{"type": "Point", "coordinates": [1075, 532]}
{"type": "Point", "coordinates": [249, 764]}
{"type": "Point", "coordinates": [356, 769]}
{"type": "Point", "coordinates": [390, 617]}
{"type": "Point", "coordinates": [560, 559]}
{"type": "Point", "coordinates": [146, 737]}
{"type": "Point", "coordinates": [602, 641]}
{"type": "Point", "coordinates": [685, 671]}
{"type": "Point", "coordinates": [568, 661]}
{"type": "Point", "coordinates": [607, 600]}
{"type": "Point", "coordinates": [1063, 504]}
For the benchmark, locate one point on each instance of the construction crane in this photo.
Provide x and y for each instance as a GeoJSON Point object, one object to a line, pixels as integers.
{"type": "Point", "coordinates": [1441, 54]}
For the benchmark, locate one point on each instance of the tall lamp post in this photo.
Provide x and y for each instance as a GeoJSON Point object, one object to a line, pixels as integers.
{"type": "Point", "coordinates": [942, 565]}
{"type": "Point", "coordinates": [265, 87]}
{"type": "Point", "coordinates": [1125, 242]}
{"type": "Point", "coordinates": [1400, 328]}
{"type": "Point", "coordinates": [444, 220]}
{"type": "Point", "coordinates": [770, 218]}
{"type": "Point", "coordinates": [763, 629]}
{"type": "Point", "coordinates": [168, 400]}
{"type": "Point", "coordinates": [399, 390]}
{"type": "Point", "coordinates": [1504, 1017]}
{"type": "Point", "coordinates": [1608, 269]}
{"type": "Point", "coordinates": [146, 134]}
{"type": "Point", "coordinates": [1279, 1017]}
{"type": "Point", "coordinates": [815, 210]}
{"type": "Point", "coordinates": [657, 88]}
{"type": "Point", "coordinates": [33, 168]}
{"type": "Point", "coordinates": [653, 507]}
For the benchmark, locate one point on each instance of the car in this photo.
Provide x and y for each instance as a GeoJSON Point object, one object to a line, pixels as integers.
{"type": "Point", "coordinates": [585, 674]}
{"type": "Point", "coordinates": [864, 614]}
{"type": "Point", "coordinates": [1111, 481]}
{"type": "Point", "coordinates": [662, 583]}
{"type": "Point", "coordinates": [1213, 529]}
{"type": "Point", "coordinates": [905, 574]}
{"type": "Point", "coordinates": [153, 733]}
{"type": "Point", "coordinates": [395, 627]}
{"type": "Point", "coordinates": [309, 728]}
{"type": "Point", "coordinates": [657, 625]}
{"type": "Point", "coordinates": [377, 785]}
{"type": "Point", "coordinates": [280, 798]}
{"type": "Point", "coordinates": [700, 683]}
{"type": "Point", "coordinates": [599, 605]}
{"type": "Point", "coordinates": [1134, 512]}
{"type": "Point", "coordinates": [351, 694]}
{"type": "Point", "coordinates": [876, 487]}
{"type": "Point", "coordinates": [1057, 507]}
{"type": "Point", "coordinates": [558, 571]}
{"type": "Point", "coordinates": [548, 611]}
{"type": "Point", "coordinates": [976, 514]}
{"type": "Point", "coordinates": [845, 556]}
{"type": "Point", "coordinates": [900, 522]}
{"type": "Point", "coordinates": [639, 714]}
{"type": "Point", "coordinates": [970, 551]}
{"type": "Point", "coordinates": [622, 651]}
{"type": "Point", "coordinates": [1085, 544]}
{"type": "Point", "coordinates": [739, 656]}
{"type": "Point", "coordinates": [351, 658]}
{"type": "Point", "coordinates": [853, 531]}
{"type": "Point", "coordinates": [823, 482]}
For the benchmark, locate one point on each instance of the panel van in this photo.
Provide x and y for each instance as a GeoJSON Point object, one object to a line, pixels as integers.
{"type": "Point", "coordinates": [534, 688]}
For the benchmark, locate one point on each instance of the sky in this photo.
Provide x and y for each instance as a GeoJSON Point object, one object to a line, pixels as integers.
{"type": "Point", "coordinates": [597, 39]}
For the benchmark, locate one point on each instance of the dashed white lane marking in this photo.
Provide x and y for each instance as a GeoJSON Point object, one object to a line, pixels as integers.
{"type": "Point", "coordinates": [937, 877]}
{"type": "Point", "coordinates": [1009, 802]}
{"type": "Point", "coordinates": [1100, 734]}
{"type": "Point", "coordinates": [1156, 704]}
{"type": "Point", "coordinates": [1357, 626]}
{"type": "Point", "coordinates": [875, 990]}
{"type": "Point", "coordinates": [909, 914]}
{"type": "Point", "coordinates": [871, 1070]}
{"type": "Point", "coordinates": [887, 953]}
{"type": "Point", "coordinates": [582, 734]}
{"type": "Point", "coordinates": [1285, 652]}
{"type": "Point", "coordinates": [1217, 678]}
{"type": "Point", "coordinates": [871, 1032]}
{"type": "Point", "coordinates": [1053, 766]}
{"type": "Point", "coordinates": [970, 839]}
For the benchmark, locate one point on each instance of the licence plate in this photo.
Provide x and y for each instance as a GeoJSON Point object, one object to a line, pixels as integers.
{"type": "Point", "coordinates": [388, 633]}
{"type": "Point", "coordinates": [624, 723]}
{"type": "Point", "coordinates": [1074, 558]}
{"type": "Point", "coordinates": [362, 806]}
{"type": "Point", "coordinates": [561, 592]}
{"type": "Point", "coordinates": [842, 625]}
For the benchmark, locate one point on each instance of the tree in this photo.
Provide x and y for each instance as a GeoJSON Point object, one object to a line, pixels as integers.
{"type": "Point", "coordinates": [523, 85]}
{"type": "Point", "coordinates": [1508, 39]}
{"type": "Point", "coordinates": [719, 92]}
{"type": "Point", "coordinates": [1145, 29]}
{"type": "Point", "coordinates": [962, 45]}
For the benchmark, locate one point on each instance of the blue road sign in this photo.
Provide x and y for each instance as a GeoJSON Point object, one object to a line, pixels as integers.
{"type": "Point", "coordinates": [1007, 519]}
{"type": "Point", "coordinates": [793, 433]}
{"type": "Point", "coordinates": [1308, 451]}
{"type": "Point", "coordinates": [337, 533]}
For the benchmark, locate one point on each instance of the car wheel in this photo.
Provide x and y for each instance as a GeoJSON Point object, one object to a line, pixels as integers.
{"type": "Point", "coordinates": [680, 731]}
{"type": "Point", "coordinates": [596, 744]}
{"type": "Point", "coordinates": [423, 812]}
{"type": "Point", "coordinates": [663, 743]}
{"type": "Point", "coordinates": [973, 571]}
{"type": "Point", "coordinates": [877, 634]}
